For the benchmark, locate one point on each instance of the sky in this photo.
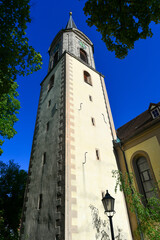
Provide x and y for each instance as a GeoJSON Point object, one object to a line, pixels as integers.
{"type": "Point", "coordinates": [132, 83]}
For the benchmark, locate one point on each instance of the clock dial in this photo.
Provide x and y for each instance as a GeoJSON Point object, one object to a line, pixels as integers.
{"type": "Point", "coordinates": [82, 45]}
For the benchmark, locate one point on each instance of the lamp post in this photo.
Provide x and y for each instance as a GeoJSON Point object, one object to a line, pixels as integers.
{"type": "Point", "coordinates": [108, 203]}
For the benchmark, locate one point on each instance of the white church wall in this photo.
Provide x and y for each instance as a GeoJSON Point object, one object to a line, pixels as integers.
{"type": "Point", "coordinates": [86, 182]}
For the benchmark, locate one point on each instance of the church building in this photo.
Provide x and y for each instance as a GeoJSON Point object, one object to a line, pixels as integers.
{"type": "Point", "coordinates": [72, 154]}
{"type": "Point", "coordinates": [138, 151]}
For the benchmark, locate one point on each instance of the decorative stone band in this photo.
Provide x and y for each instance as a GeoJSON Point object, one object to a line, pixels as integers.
{"type": "Point", "coordinates": [60, 190]}
{"type": "Point", "coordinates": [71, 202]}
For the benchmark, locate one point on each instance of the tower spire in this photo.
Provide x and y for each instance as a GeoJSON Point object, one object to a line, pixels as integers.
{"type": "Point", "coordinates": [71, 23]}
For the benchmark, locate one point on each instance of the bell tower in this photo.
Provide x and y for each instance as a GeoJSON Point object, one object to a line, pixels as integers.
{"type": "Point", "coordinates": [72, 155]}
{"type": "Point", "coordinates": [73, 41]}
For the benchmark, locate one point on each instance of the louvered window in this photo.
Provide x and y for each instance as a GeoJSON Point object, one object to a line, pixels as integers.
{"type": "Point", "coordinates": [83, 55]}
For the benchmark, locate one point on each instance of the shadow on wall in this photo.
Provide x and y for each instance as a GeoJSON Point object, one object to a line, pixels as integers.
{"type": "Point", "coordinates": [102, 227]}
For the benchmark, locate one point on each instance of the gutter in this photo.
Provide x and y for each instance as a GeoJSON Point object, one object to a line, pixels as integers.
{"type": "Point", "coordinates": [119, 144]}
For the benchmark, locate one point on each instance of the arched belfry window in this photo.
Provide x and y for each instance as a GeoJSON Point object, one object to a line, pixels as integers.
{"type": "Point", "coordinates": [55, 60]}
{"type": "Point", "coordinates": [83, 55]}
{"type": "Point", "coordinates": [87, 78]}
{"type": "Point", "coordinates": [144, 178]}
{"type": "Point", "coordinates": [51, 83]}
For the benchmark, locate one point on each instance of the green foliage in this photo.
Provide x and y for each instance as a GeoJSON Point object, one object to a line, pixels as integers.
{"type": "Point", "coordinates": [122, 22]}
{"type": "Point", "coordinates": [9, 107]}
{"type": "Point", "coordinates": [12, 186]}
{"type": "Point", "coordinates": [16, 58]}
{"type": "Point", "coordinates": [149, 216]}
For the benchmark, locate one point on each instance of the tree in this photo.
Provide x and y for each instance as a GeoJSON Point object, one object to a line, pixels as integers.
{"type": "Point", "coordinates": [9, 106]}
{"type": "Point", "coordinates": [16, 58]}
{"type": "Point", "coordinates": [148, 216]}
{"type": "Point", "coordinates": [12, 186]}
{"type": "Point", "coordinates": [122, 22]}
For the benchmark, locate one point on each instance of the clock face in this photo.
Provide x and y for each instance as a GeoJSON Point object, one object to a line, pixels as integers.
{"type": "Point", "coordinates": [82, 45]}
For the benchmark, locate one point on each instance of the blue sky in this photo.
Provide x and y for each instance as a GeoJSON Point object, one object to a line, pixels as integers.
{"type": "Point", "coordinates": [132, 83]}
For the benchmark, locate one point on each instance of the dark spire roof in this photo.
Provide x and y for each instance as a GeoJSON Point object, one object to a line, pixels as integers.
{"type": "Point", "coordinates": [70, 23]}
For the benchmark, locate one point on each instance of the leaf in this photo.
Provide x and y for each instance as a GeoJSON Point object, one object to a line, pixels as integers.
{"type": "Point", "coordinates": [149, 216]}
{"type": "Point", "coordinates": [12, 186]}
{"type": "Point", "coordinates": [122, 23]}
{"type": "Point", "coordinates": [16, 58]}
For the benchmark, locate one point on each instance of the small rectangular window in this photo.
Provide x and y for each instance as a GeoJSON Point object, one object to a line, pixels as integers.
{"type": "Point", "coordinates": [155, 113]}
{"type": "Point", "coordinates": [57, 237]}
{"type": "Point", "coordinates": [39, 202]}
{"type": "Point", "coordinates": [58, 208]}
{"type": "Point", "coordinates": [49, 103]}
{"type": "Point", "coordinates": [93, 121]}
{"type": "Point", "coordinates": [97, 154]}
{"type": "Point", "coordinates": [90, 98]}
{"type": "Point", "coordinates": [54, 109]}
{"type": "Point", "coordinates": [44, 158]}
{"type": "Point", "coordinates": [47, 128]}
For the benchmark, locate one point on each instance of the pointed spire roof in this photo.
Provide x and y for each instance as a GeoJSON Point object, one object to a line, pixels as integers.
{"type": "Point", "coordinates": [71, 23]}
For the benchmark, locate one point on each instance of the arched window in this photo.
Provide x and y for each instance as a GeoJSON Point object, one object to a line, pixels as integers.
{"type": "Point", "coordinates": [83, 55]}
{"type": "Point", "coordinates": [144, 178]}
{"type": "Point", "coordinates": [87, 78]}
{"type": "Point", "coordinates": [51, 83]}
{"type": "Point", "coordinates": [55, 60]}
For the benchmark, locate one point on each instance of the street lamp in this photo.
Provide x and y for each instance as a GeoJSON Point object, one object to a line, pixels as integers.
{"type": "Point", "coordinates": [108, 203]}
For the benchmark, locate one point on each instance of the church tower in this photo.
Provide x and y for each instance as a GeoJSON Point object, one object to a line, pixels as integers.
{"type": "Point", "coordinates": [72, 155]}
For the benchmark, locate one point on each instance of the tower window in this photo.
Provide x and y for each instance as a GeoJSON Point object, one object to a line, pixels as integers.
{"type": "Point", "coordinates": [90, 98]}
{"type": "Point", "coordinates": [44, 158]}
{"type": "Point", "coordinates": [51, 64]}
{"type": "Point", "coordinates": [87, 78]}
{"type": "Point", "coordinates": [39, 202]}
{"type": "Point", "coordinates": [93, 121]}
{"type": "Point", "coordinates": [51, 83]}
{"type": "Point", "coordinates": [57, 237]}
{"type": "Point", "coordinates": [83, 55]}
{"type": "Point", "coordinates": [54, 109]}
{"type": "Point", "coordinates": [97, 154]}
{"type": "Point", "coordinates": [58, 208]}
{"type": "Point", "coordinates": [47, 127]}
{"type": "Point", "coordinates": [55, 58]}
{"type": "Point", "coordinates": [49, 103]}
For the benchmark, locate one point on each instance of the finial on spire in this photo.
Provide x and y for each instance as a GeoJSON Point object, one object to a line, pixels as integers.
{"type": "Point", "coordinates": [70, 23]}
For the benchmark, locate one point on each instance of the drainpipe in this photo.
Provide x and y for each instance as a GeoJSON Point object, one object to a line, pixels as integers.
{"type": "Point", "coordinates": [126, 165]}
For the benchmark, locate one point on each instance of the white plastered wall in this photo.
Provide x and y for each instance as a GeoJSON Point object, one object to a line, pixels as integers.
{"type": "Point", "coordinates": [86, 182]}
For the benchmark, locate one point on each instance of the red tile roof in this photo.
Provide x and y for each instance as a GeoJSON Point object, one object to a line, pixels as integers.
{"type": "Point", "coordinates": [137, 125]}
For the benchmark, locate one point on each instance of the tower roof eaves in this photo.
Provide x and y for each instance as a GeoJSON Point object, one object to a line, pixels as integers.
{"type": "Point", "coordinates": [81, 34]}
{"type": "Point", "coordinates": [55, 39]}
